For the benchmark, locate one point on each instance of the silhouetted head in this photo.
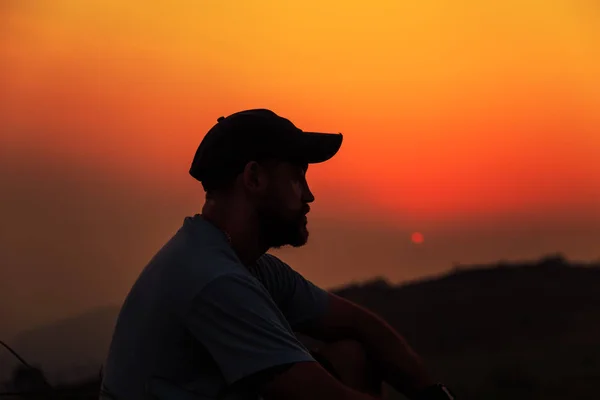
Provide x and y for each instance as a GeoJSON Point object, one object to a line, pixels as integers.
{"type": "Point", "coordinates": [255, 162]}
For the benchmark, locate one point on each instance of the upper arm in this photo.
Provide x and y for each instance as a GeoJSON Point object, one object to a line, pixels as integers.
{"type": "Point", "coordinates": [342, 320]}
{"type": "Point", "coordinates": [299, 299]}
{"type": "Point", "coordinates": [254, 347]}
{"type": "Point", "coordinates": [237, 322]}
{"type": "Point", "coordinates": [309, 309]}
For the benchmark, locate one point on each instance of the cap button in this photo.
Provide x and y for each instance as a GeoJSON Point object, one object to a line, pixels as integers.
{"type": "Point", "coordinates": [220, 119]}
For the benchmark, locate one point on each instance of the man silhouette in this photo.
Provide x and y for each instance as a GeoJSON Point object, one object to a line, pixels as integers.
{"type": "Point", "coordinates": [212, 316]}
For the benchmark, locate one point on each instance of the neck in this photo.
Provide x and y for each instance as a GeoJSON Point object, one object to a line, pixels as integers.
{"type": "Point", "coordinates": [240, 226]}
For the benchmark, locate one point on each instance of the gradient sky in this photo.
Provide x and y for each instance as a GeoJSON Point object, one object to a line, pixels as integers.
{"type": "Point", "coordinates": [475, 123]}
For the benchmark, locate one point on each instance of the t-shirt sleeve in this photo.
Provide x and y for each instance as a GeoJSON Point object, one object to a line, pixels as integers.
{"type": "Point", "coordinates": [242, 328]}
{"type": "Point", "coordinates": [299, 299]}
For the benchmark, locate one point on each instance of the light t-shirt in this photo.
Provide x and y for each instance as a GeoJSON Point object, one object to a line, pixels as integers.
{"type": "Point", "coordinates": [197, 321]}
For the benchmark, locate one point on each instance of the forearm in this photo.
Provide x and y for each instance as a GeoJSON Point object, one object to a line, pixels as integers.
{"type": "Point", "coordinates": [307, 380]}
{"type": "Point", "coordinates": [399, 364]}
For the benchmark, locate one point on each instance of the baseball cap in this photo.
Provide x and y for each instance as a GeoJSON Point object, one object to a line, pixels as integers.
{"type": "Point", "coordinates": [254, 135]}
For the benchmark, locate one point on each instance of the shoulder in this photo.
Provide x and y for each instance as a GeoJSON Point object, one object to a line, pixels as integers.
{"type": "Point", "coordinates": [232, 284]}
{"type": "Point", "coordinates": [186, 264]}
{"type": "Point", "coordinates": [269, 261]}
{"type": "Point", "coordinates": [231, 295]}
{"type": "Point", "coordinates": [201, 250]}
{"type": "Point", "coordinates": [278, 278]}
{"type": "Point", "coordinates": [270, 270]}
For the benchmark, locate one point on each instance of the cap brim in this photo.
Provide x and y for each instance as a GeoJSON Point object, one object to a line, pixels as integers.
{"type": "Point", "coordinates": [316, 147]}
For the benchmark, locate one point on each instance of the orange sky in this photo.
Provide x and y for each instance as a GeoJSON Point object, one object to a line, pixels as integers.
{"type": "Point", "coordinates": [459, 116]}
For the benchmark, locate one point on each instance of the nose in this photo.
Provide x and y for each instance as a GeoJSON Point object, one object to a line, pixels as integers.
{"type": "Point", "coordinates": [307, 195]}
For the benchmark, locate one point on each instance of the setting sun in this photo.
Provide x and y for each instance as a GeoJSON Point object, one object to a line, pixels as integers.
{"type": "Point", "coordinates": [417, 238]}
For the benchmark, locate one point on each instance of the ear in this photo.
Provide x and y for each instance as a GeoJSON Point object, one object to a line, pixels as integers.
{"type": "Point", "coordinates": [254, 177]}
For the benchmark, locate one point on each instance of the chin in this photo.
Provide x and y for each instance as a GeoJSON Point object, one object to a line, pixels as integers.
{"type": "Point", "coordinates": [294, 243]}
{"type": "Point", "coordinates": [299, 243]}
{"type": "Point", "coordinates": [292, 235]}
{"type": "Point", "coordinates": [302, 238]}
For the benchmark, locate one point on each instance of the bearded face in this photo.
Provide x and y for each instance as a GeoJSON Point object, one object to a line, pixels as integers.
{"type": "Point", "coordinates": [283, 208]}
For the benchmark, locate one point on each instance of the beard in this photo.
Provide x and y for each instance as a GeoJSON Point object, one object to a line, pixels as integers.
{"type": "Point", "coordinates": [281, 229]}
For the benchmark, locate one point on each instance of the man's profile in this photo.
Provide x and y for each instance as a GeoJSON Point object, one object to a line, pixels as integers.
{"type": "Point", "coordinates": [213, 316]}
